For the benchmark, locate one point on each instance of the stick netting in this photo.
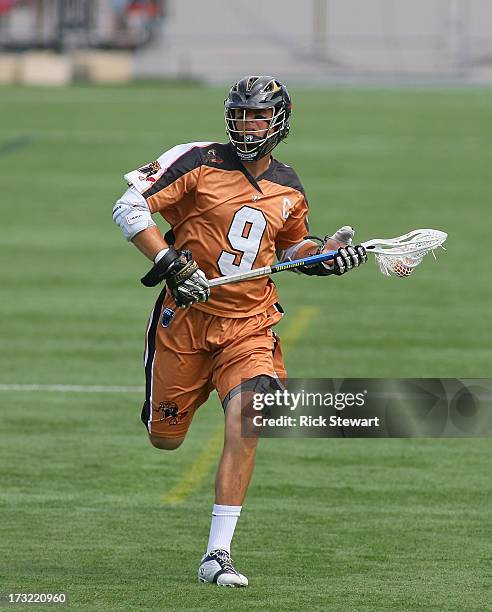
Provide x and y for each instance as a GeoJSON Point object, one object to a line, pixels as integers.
{"type": "Point", "coordinates": [401, 259]}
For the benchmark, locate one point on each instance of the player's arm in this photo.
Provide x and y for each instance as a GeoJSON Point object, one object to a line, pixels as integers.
{"type": "Point", "coordinates": [181, 273]}
{"type": "Point", "coordinates": [347, 258]}
{"type": "Point", "coordinates": [150, 242]}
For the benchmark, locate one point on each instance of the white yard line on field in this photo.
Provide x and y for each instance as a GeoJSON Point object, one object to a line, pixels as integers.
{"type": "Point", "coordinates": [483, 397]}
{"type": "Point", "coordinates": [72, 388]}
{"type": "Point", "coordinates": [292, 332]}
{"type": "Point", "coordinates": [197, 472]}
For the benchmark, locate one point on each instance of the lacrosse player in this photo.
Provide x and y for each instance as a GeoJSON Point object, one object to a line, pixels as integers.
{"type": "Point", "coordinates": [231, 207]}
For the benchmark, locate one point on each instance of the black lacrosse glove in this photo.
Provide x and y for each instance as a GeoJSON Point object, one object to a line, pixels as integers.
{"type": "Point", "coordinates": [346, 259]}
{"type": "Point", "coordinates": [183, 277]}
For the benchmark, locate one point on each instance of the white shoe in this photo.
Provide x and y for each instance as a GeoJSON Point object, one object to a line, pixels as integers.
{"type": "Point", "coordinates": [216, 567]}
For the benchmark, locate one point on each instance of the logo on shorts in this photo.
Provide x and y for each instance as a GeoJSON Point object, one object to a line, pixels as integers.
{"type": "Point", "coordinates": [168, 411]}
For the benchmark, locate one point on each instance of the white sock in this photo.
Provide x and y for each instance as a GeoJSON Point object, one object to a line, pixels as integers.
{"type": "Point", "coordinates": [224, 519]}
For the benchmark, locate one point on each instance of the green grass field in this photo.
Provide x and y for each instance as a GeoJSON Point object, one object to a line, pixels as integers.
{"type": "Point", "coordinates": [328, 524]}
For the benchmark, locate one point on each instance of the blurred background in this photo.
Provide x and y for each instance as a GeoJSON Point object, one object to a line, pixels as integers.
{"type": "Point", "coordinates": [314, 41]}
{"type": "Point", "coordinates": [391, 131]}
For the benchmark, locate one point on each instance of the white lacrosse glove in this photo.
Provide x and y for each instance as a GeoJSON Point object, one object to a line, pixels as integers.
{"type": "Point", "coordinates": [341, 238]}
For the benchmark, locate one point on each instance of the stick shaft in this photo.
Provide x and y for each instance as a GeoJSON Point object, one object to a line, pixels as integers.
{"type": "Point", "coordinates": [267, 270]}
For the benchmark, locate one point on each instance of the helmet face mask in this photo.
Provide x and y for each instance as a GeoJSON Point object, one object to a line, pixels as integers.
{"type": "Point", "coordinates": [257, 93]}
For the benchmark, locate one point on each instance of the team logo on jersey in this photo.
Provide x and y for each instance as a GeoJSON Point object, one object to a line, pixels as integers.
{"type": "Point", "coordinates": [286, 208]}
{"type": "Point", "coordinates": [168, 411]}
{"type": "Point", "coordinates": [213, 158]}
{"type": "Point", "coordinates": [149, 170]}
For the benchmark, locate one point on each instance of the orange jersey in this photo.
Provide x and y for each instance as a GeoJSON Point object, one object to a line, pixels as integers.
{"type": "Point", "coordinates": [231, 222]}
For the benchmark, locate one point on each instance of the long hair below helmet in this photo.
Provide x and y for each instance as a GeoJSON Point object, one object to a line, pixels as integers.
{"type": "Point", "coordinates": [257, 92]}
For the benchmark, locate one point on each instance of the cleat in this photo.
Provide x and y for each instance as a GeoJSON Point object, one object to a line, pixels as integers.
{"type": "Point", "coordinates": [216, 567]}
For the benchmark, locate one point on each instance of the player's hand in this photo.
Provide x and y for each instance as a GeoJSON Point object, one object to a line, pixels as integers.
{"type": "Point", "coordinates": [348, 256]}
{"type": "Point", "coordinates": [183, 277]}
{"type": "Point", "coordinates": [193, 289]}
{"type": "Point", "coordinates": [347, 259]}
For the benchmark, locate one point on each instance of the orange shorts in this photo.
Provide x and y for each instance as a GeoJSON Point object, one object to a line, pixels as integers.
{"type": "Point", "coordinates": [198, 352]}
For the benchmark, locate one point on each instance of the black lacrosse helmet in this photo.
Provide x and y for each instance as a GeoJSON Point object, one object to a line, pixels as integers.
{"type": "Point", "coordinates": [257, 92]}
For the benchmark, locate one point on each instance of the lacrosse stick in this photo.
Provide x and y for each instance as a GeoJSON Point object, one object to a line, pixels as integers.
{"type": "Point", "coordinates": [398, 256]}
{"type": "Point", "coordinates": [395, 256]}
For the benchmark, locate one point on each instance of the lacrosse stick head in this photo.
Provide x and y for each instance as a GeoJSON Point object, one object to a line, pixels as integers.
{"type": "Point", "coordinates": [400, 256]}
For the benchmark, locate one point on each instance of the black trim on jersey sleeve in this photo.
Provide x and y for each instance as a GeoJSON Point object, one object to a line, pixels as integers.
{"type": "Point", "coordinates": [182, 165]}
{"type": "Point", "coordinates": [215, 155]}
{"type": "Point", "coordinates": [283, 175]}
{"type": "Point", "coordinates": [221, 156]}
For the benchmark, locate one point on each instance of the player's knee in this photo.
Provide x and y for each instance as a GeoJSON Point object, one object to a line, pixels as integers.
{"type": "Point", "coordinates": [165, 443]}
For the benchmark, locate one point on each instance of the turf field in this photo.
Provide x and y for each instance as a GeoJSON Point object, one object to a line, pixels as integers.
{"type": "Point", "coordinates": [89, 508]}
